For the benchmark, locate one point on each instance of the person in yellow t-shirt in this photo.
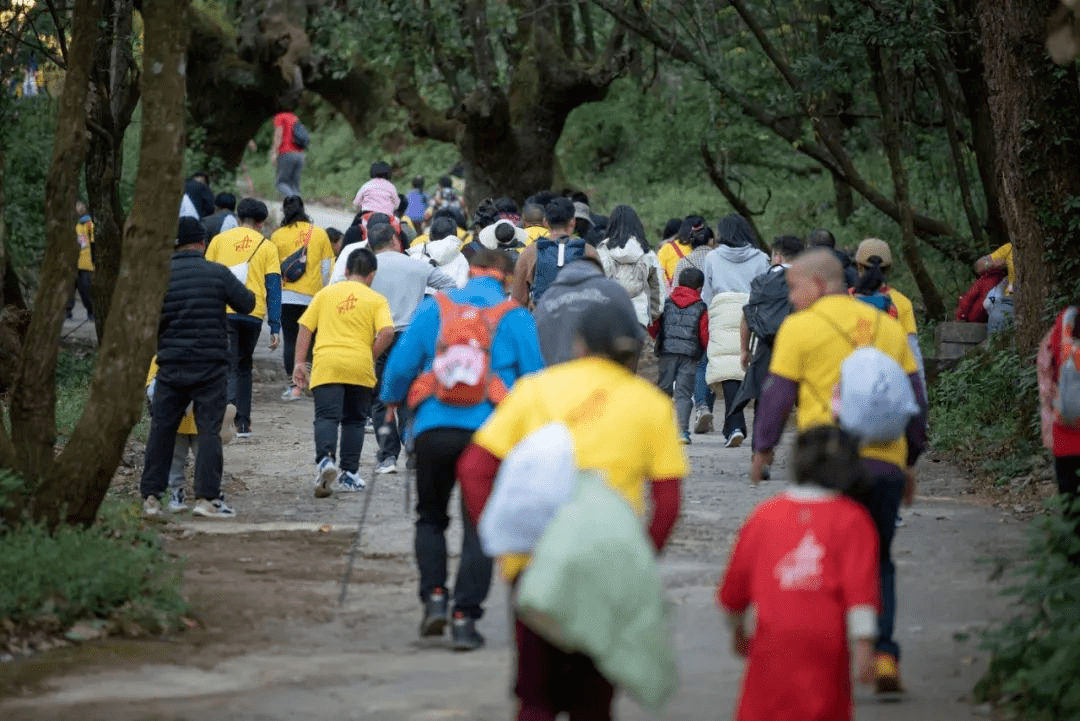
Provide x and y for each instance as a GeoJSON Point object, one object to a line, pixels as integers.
{"type": "Point", "coordinates": [1001, 312]}
{"type": "Point", "coordinates": [254, 261]}
{"type": "Point", "coordinates": [810, 346]}
{"type": "Point", "coordinates": [622, 426]}
{"type": "Point", "coordinates": [532, 220]}
{"type": "Point", "coordinates": [354, 328]}
{"type": "Point", "coordinates": [671, 252]}
{"type": "Point", "coordinates": [873, 259]}
{"type": "Point", "coordinates": [84, 280]}
{"type": "Point", "coordinates": [296, 230]}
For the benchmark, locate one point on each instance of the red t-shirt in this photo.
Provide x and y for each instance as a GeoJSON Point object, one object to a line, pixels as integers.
{"type": "Point", "coordinates": [804, 560]}
{"type": "Point", "coordinates": [286, 121]}
{"type": "Point", "coordinates": [1066, 438]}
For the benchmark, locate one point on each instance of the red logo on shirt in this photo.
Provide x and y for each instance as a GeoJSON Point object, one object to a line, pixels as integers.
{"type": "Point", "coordinates": [244, 244]}
{"type": "Point", "coordinates": [347, 305]}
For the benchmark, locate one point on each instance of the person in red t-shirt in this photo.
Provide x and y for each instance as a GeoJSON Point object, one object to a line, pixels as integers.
{"type": "Point", "coordinates": [286, 156]}
{"type": "Point", "coordinates": [808, 561]}
{"type": "Point", "coordinates": [1060, 438]}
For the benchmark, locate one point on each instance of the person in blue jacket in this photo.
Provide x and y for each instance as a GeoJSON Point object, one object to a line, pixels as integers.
{"type": "Point", "coordinates": [443, 431]}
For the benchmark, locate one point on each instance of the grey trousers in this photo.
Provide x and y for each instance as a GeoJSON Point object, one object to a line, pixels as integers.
{"type": "Point", "coordinates": [185, 442]}
{"type": "Point", "coordinates": [289, 166]}
{"type": "Point", "coordinates": [678, 374]}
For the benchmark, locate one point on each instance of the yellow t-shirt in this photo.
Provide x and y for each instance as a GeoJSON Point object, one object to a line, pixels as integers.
{"type": "Point", "coordinates": [250, 256]}
{"type": "Point", "coordinates": [905, 311]}
{"type": "Point", "coordinates": [621, 425]}
{"type": "Point", "coordinates": [347, 315]}
{"type": "Point", "coordinates": [669, 257]}
{"type": "Point", "coordinates": [289, 239]}
{"type": "Point", "coordinates": [811, 345]}
{"type": "Point", "coordinates": [187, 425]}
{"type": "Point", "coordinates": [536, 232]}
{"type": "Point", "coordinates": [84, 233]}
{"type": "Point", "coordinates": [463, 236]}
{"type": "Point", "coordinates": [1005, 253]}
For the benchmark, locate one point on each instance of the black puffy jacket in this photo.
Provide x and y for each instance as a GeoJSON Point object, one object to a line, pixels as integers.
{"type": "Point", "coordinates": [192, 330]}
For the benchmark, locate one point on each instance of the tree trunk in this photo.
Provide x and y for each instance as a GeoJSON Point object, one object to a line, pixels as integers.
{"type": "Point", "coordinates": [76, 484]}
{"type": "Point", "coordinates": [887, 89]}
{"type": "Point", "coordinates": [114, 94]}
{"type": "Point", "coordinates": [33, 400]}
{"type": "Point", "coordinates": [1034, 106]}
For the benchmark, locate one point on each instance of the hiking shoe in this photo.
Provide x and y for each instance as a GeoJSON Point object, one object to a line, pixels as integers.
{"type": "Point", "coordinates": [899, 521]}
{"type": "Point", "coordinates": [434, 621]}
{"type": "Point", "coordinates": [886, 673]}
{"type": "Point", "coordinates": [350, 481]}
{"type": "Point", "coordinates": [684, 438]}
{"type": "Point", "coordinates": [216, 508]}
{"type": "Point", "coordinates": [292, 393]}
{"type": "Point", "coordinates": [387, 466]}
{"type": "Point", "coordinates": [735, 439]}
{"type": "Point", "coordinates": [151, 506]}
{"type": "Point", "coordinates": [326, 473]}
{"type": "Point", "coordinates": [176, 501]}
{"type": "Point", "coordinates": [463, 632]}
{"type": "Point", "coordinates": [243, 430]}
{"type": "Point", "coordinates": [703, 424]}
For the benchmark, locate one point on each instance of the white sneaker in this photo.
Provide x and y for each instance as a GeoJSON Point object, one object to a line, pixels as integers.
{"type": "Point", "coordinates": [292, 393]}
{"type": "Point", "coordinates": [703, 423]}
{"type": "Point", "coordinates": [387, 466]}
{"type": "Point", "coordinates": [228, 425]}
{"type": "Point", "coordinates": [350, 482]}
{"type": "Point", "coordinates": [216, 508]}
{"type": "Point", "coordinates": [326, 473]}
{"type": "Point", "coordinates": [735, 439]}
{"type": "Point", "coordinates": [176, 501]}
{"type": "Point", "coordinates": [151, 506]}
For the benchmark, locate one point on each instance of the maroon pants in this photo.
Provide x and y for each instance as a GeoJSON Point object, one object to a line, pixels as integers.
{"type": "Point", "coordinates": [550, 681]}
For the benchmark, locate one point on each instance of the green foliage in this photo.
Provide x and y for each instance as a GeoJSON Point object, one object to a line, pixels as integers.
{"type": "Point", "coordinates": [73, 371]}
{"type": "Point", "coordinates": [117, 566]}
{"type": "Point", "coordinates": [1036, 654]}
{"type": "Point", "coordinates": [28, 142]}
{"type": "Point", "coordinates": [197, 159]}
{"type": "Point", "coordinates": [983, 410]}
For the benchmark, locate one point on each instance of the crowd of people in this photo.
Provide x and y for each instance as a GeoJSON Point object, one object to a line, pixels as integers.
{"type": "Point", "coordinates": [461, 336]}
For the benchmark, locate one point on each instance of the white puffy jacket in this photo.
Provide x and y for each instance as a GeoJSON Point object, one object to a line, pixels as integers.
{"type": "Point", "coordinates": [446, 252]}
{"type": "Point", "coordinates": [725, 322]}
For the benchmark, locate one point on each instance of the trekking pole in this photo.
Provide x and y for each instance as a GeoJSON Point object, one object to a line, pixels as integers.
{"type": "Point", "coordinates": [356, 542]}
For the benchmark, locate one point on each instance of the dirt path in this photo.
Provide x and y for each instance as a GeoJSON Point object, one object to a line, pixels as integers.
{"type": "Point", "coordinates": [272, 642]}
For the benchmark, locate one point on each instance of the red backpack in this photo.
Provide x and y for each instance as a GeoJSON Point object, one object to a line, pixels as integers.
{"type": "Point", "coordinates": [461, 373]}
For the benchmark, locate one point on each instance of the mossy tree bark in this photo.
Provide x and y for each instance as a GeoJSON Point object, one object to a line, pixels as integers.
{"type": "Point", "coordinates": [1034, 105]}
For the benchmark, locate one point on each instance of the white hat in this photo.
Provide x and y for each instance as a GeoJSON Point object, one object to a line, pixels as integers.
{"type": "Point", "coordinates": [487, 235]}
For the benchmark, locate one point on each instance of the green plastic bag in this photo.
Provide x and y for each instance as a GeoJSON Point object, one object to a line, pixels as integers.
{"type": "Point", "coordinates": [594, 587]}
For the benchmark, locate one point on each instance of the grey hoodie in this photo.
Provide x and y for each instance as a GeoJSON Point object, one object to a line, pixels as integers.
{"type": "Point", "coordinates": [730, 270]}
{"type": "Point", "coordinates": [579, 287]}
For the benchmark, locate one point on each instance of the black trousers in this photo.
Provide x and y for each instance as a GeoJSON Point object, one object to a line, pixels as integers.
{"type": "Point", "coordinates": [346, 407]}
{"type": "Point", "coordinates": [290, 327]}
{"type": "Point", "coordinates": [437, 452]}
{"type": "Point", "coordinates": [171, 399]}
{"type": "Point", "coordinates": [84, 284]}
{"type": "Point", "coordinates": [734, 421]}
{"type": "Point", "coordinates": [388, 435]}
{"type": "Point", "coordinates": [243, 337]}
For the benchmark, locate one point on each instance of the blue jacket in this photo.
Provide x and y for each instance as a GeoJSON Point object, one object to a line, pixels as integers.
{"type": "Point", "coordinates": [514, 352]}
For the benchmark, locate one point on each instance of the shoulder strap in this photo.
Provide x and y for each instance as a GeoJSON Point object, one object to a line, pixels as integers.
{"type": "Point", "coordinates": [678, 250]}
{"type": "Point", "coordinates": [494, 315]}
{"type": "Point", "coordinates": [841, 333]}
{"type": "Point", "coordinates": [256, 249]}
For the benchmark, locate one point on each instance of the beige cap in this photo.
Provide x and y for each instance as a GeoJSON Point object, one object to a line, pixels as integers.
{"type": "Point", "coordinates": [871, 247]}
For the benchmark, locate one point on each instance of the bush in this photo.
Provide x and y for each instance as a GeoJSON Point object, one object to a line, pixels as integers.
{"type": "Point", "coordinates": [113, 569]}
{"type": "Point", "coordinates": [983, 411]}
{"type": "Point", "coordinates": [1035, 656]}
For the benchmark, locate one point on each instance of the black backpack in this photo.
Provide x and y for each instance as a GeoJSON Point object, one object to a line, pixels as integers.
{"type": "Point", "coordinates": [768, 305]}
